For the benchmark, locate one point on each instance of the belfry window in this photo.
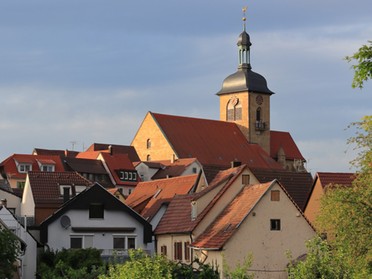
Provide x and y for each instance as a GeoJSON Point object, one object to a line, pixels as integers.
{"type": "Point", "coordinates": [258, 114]}
{"type": "Point", "coordinates": [234, 109]}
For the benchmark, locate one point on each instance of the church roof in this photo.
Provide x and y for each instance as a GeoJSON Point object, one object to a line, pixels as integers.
{"type": "Point", "coordinates": [212, 142]}
{"type": "Point", "coordinates": [285, 141]}
{"type": "Point", "coordinates": [244, 80]}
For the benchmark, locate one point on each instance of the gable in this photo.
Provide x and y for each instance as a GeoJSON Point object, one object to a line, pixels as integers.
{"type": "Point", "coordinates": [96, 195]}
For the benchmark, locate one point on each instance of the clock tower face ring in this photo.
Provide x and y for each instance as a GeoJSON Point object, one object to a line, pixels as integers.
{"type": "Point", "coordinates": [259, 100]}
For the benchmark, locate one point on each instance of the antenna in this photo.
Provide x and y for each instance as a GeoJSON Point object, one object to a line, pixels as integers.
{"type": "Point", "coordinates": [73, 143]}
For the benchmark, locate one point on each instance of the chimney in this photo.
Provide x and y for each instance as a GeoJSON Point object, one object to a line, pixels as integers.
{"type": "Point", "coordinates": [110, 148]}
{"type": "Point", "coordinates": [194, 210]}
{"type": "Point", "coordinates": [235, 164]}
{"type": "Point", "coordinates": [4, 202]}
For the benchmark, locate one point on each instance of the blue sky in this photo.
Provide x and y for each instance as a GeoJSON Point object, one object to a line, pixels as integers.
{"type": "Point", "coordinates": [88, 71]}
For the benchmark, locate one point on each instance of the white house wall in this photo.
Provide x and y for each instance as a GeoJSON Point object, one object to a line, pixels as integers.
{"type": "Point", "coordinates": [13, 202]}
{"type": "Point", "coordinates": [30, 256]}
{"type": "Point", "coordinates": [59, 238]}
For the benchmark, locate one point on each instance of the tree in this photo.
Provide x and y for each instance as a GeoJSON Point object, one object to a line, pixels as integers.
{"type": "Point", "coordinates": [241, 270]}
{"type": "Point", "coordinates": [141, 266]}
{"type": "Point", "coordinates": [10, 249]}
{"type": "Point", "coordinates": [346, 218]}
{"type": "Point", "coordinates": [71, 263]}
{"type": "Point", "coordinates": [363, 68]}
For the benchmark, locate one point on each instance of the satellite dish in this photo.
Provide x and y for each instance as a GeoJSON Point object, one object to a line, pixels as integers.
{"type": "Point", "coordinates": [65, 221]}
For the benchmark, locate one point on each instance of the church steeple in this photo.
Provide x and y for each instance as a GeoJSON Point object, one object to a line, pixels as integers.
{"type": "Point", "coordinates": [244, 44]}
{"type": "Point", "coordinates": [245, 97]}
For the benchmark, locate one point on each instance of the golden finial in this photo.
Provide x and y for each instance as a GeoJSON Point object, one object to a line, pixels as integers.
{"type": "Point", "coordinates": [244, 16]}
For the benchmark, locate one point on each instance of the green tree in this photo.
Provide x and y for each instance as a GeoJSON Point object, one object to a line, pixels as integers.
{"type": "Point", "coordinates": [241, 270]}
{"type": "Point", "coordinates": [71, 263]}
{"type": "Point", "coordinates": [141, 266]}
{"type": "Point", "coordinates": [346, 218]}
{"type": "Point", "coordinates": [363, 68]}
{"type": "Point", "coordinates": [10, 249]}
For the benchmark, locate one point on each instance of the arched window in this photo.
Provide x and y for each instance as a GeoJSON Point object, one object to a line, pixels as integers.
{"type": "Point", "coordinates": [234, 109]}
{"type": "Point", "coordinates": [148, 144]}
{"type": "Point", "coordinates": [258, 114]}
{"type": "Point", "coordinates": [148, 157]}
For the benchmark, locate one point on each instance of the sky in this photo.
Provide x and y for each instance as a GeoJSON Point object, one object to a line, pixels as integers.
{"type": "Point", "coordinates": [75, 72]}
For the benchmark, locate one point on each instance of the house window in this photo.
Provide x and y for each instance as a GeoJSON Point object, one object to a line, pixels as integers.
{"type": "Point", "coordinates": [24, 167]}
{"type": "Point", "coordinates": [275, 224]}
{"type": "Point", "coordinates": [178, 251]}
{"type": "Point", "coordinates": [47, 168]}
{"type": "Point", "coordinates": [119, 243]}
{"type": "Point", "coordinates": [148, 143]}
{"type": "Point", "coordinates": [131, 243]}
{"type": "Point", "coordinates": [194, 170]}
{"type": "Point", "coordinates": [163, 250]}
{"type": "Point", "coordinates": [21, 184]}
{"type": "Point", "coordinates": [76, 242]}
{"type": "Point", "coordinates": [187, 251]}
{"type": "Point", "coordinates": [275, 195]}
{"type": "Point", "coordinates": [96, 211]}
{"type": "Point", "coordinates": [245, 179]}
{"type": "Point", "coordinates": [122, 242]}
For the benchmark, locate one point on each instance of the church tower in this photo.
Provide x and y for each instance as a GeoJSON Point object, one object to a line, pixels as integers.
{"type": "Point", "coordinates": [245, 97]}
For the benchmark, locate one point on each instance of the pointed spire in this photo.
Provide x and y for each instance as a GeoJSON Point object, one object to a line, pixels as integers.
{"type": "Point", "coordinates": [244, 44]}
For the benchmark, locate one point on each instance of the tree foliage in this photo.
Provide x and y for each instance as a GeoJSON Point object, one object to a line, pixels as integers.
{"type": "Point", "coordinates": [142, 266]}
{"type": "Point", "coordinates": [241, 270]}
{"type": "Point", "coordinates": [346, 218]}
{"type": "Point", "coordinates": [363, 68]}
{"type": "Point", "coordinates": [10, 249]}
{"type": "Point", "coordinates": [71, 263]}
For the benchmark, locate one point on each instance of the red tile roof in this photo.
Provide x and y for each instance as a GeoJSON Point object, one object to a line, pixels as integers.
{"type": "Point", "coordinates": [119, 162]}
{"type": "Point", "coordinates": [297, 184]}
{"type": "Point", "coordinates": [335, 178]}
{"type": "Point", "coordinates": [157, 192]}
{"type": "Point", "coordinates": [115, 149]}
{"type": "Point", "coordinates": [223, 227]}
{"type": "Point", "coordinates": [173, 169]}
{"type": "Point", "coordinates": [177, 218]}
{"type": "Point", "coordinates": [45, 185]}
{"type": "Point", "coordinates": [284, 140]}
{"type": "Point", "coordinates": [9, 166]}
{"type": "Point", "coordinates": [62, 153]}
{"type": "Point", "coordinates": [212, 142]}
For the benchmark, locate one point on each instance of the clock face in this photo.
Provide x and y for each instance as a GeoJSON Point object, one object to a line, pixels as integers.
{"type": "Point", "coordinates": [259, 100]}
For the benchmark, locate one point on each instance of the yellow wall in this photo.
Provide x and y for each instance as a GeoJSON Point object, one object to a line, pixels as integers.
{"type": "Point", "coordinates": [313, 206]}
{"type": "Point", "coordinates": [247, 123]}
{"type": "Point", "coordinates": [169, 241]}
{"type": "Point", "coordinates": [160, 148]}
{"type": "Point", "coordinates": [267, 247]}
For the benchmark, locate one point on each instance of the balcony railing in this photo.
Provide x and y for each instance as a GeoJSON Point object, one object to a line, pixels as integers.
{"type": "Point", "coordinates": [260, 125]}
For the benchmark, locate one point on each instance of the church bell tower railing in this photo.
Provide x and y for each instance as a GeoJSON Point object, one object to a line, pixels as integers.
{"type": "Point", "coordinates": [260, 126]}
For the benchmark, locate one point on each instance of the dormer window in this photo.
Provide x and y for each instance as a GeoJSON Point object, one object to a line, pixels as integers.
{"type": "Point", "coordinates": [64, 188]}
{"type": "Point", "coordinates": [24, 167]}
{"type": "Point", "coordinates": [46, 165]}
{"type": "Point", "coordinates": [47, 168]}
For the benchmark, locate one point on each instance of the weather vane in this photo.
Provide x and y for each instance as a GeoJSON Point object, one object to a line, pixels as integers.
{"type": "Point", "coordinates": [244, 16]}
